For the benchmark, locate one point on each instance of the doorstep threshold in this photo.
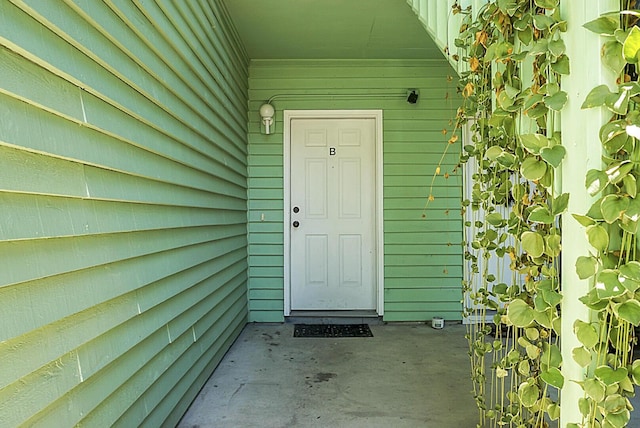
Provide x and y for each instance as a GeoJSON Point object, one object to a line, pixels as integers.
{"type": "Point", "coordinates": [346, 314]}
{"type": "Point", "coordinates": [334, 317]}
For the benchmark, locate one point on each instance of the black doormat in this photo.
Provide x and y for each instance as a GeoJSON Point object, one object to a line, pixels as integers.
{"type": "Point", "coordinates": [332, 330]}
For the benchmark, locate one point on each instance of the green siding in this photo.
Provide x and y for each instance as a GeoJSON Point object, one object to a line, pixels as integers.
{"type": "Point", "coordinates": [123, 184]}
{"type": "Point", "coordinates": [423, 257]}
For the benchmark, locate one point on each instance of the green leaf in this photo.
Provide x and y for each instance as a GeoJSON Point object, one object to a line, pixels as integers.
{"type": "Point", "coordinates": [553, 155]}
{"type": "Point", "coordinates": [551, 356]}
{"type": "Point", "coordinates": [537, 111]}
{"type": "Point", "coordinates": [553, 377]}
{"type": "Point", "coordinates": [525, 35]}
{"type": "Point", "coordinates": [584, 220]}
{"type": "Point", "coordinates": [528, 393]}
{"type": "Point", "coordinates": [608, 285]}
{"type": "Point", "coordinates": [635, 372]}
{"type": "Point", "coordinates": [629, 283]}
{"type": "Point", "coordinates": [553, 410]}
{"type": "Point", "coordinates": [524, 368]}
{"type": "Point", "coordinates": [543, 22]}
{"type": "Point", "coordinates": [551, 297]}
{"type": "Point", "coordinates": [507, 159]}
{"type": "Point", "coordinates": [592, 301]}
{"type": "Point", "coordinates": [612, 56]}
{"type": "Point", "coordinates": [533, 143]}
{"type": "Point", "coordinates": [605, 25]}
{"type": "Point", "coordinates": [533, 169]}
{"type": "Point", "coordinates": [519, 313]}
{"type": "Point", "coordinates": [561, 65]}
{"type": "Point", "coordinates": [609, 376]}
{"type": "Point", "coordinates": [585, 408]}
{"type": "Point", "coordinates": [511, 91]}
{"type": "Point", "coordinates": [532, 243]}
{"type": "Point", "coordinates": [557, 101]}
{"type": "Point", "coordinates": [547, 4]}
{"type": "Point", "coordinates": [631, 270]}
{"type": "Point", "coordinates": [557, 47]}
{"type": "Point", "coordinates": [508, 6]}
{"type": "Point", "coordinates": [613, 206]}
{"type": "Point", "coordinates": [493, 152]}
{"type": "Point", "coordinates": [541, 214]}
{"type": "Point", "coordinates": [629, 311]}
{"type": "Point", "coordinates": [560, 204]}
{"type": "Point", "coordinates": [620, 35]}
{"type": "Point", "coordinates": [630, 185]}
{"type": "Point", "coordinates": [541, 46]}
{"type": "Point", "coordinates": [523, 23]}
{"type": "Point", "coordinates": [495, 219]}
{"type": "Point", "coordinates": [595, 389]}
{"type": "Point", "coordinates": [581, 356]}
{"type": "Point", "coordinates": [618, 102]}
{"type": "Point", "coordinates": [550, 88]}
{"type": "Point", "coordinates": [632, 46]}
{"type": "Point", "coordinates": [553, 245]}
{"type": "Point", "coordinates": [504, 101]}
{"type": "Point", "coordinates": [594, 211]}
{"type": "Point", "coordinates": [598, 237]}
{"type": "Point", "coordinates": [618, 418]}
{"type": "Point", "coordinates": [532, 351]}
{"type": "Point", "coordinates": [586, 333]}
{"type": "Point", "coordinates": [596, 97]}
{"type": "Point", "coordinates": [633, 212]}
{"type": "Point", "coordinates": [586, 267]}
{"type": "Point", "coordinates": [618, 171]}
{"type": "Point", "coordinates": [596, 181]}
{"type": "Point", "coordinates": [545, 318]}
{"type": "Point", "coordinates": [632, 87]}
{"type": "Point", "coordinates": [612, 129]}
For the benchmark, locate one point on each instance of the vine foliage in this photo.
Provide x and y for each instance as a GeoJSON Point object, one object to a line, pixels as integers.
{"type": "Point", "coordinates": [515, 58]}
{"type": "Point", "coordinates": [612, 228]}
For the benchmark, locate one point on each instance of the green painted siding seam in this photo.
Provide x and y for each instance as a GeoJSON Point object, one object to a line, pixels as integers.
{"type": "Point", "coordinates": [115, 36]}
{"type": "Point", "coordinates": [73, 331]}
{"type": "Point", "coordinates": [220, 24]}
{"type": "Point", "coordinates": [13, 102]}
{"type": "Point", "coordinates": [83, 33]}
{"type": "Point", "coordinates": [105, 81]}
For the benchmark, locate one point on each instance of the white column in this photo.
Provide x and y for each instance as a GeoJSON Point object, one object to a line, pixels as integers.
{"type": "Point", "coordinates": [580, 130]}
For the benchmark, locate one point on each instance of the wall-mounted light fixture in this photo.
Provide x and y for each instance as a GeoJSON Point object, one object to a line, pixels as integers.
{"type": "Point", "coordinates": [266, 113]}
{"type": "Point", "coordinates": [412, 96]}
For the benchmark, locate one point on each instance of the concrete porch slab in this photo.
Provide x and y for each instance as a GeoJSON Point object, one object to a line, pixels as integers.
{"type": "Point", "coordinates": [407, 375]}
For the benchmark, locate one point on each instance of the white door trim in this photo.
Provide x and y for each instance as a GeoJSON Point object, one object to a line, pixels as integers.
{"type": "Point", "coordinates": [378, 221]}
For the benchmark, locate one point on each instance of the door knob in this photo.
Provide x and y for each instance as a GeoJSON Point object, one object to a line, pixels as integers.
{"type": "Point", "coordinates": [296, 223]}
{"type": "Point", "coordinates": [296, 210]}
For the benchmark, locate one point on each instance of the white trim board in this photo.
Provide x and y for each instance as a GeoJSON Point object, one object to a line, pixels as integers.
{"type": "Point", "coordinates": [334, 114]}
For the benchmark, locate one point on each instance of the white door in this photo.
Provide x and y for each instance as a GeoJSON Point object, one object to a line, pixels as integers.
{"type": "Point", "coordinates": [332, 214]}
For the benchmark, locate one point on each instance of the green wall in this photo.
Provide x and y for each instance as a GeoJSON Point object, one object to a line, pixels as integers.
{"type": "Point", "coordinates": [422, 256]}
{"type": "Point", "coordinates": [123, 238]}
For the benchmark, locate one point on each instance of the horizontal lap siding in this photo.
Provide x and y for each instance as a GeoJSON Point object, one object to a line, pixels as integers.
{"type": "Point", "coordinates": [123, 186]}
{"type": "Point", "coordinates": [422, 256]}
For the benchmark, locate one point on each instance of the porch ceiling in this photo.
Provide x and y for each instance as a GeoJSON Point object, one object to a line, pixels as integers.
{"type": "Point", "coordinates": [331, 29]}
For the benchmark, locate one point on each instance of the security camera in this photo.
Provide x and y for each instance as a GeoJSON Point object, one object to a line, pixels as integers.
{"type": "Point", "coordinates": [412, 96]}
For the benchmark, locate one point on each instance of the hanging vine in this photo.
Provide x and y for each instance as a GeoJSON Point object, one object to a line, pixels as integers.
{"type": "Point", "coordinates": [512, 94]}
{"type": "Point", "coordinates": [612, 228]}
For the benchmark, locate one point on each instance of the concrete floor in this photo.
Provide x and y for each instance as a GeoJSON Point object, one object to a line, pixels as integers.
{"type": "Point", "coordinates": [405, 376]}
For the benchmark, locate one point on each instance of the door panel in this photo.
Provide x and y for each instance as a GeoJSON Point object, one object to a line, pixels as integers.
{"type": "Point", "coordinates": [333, 233]}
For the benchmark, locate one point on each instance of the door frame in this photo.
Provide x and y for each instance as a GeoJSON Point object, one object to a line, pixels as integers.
{"type": "Point", "coordinates": [378, 182]}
